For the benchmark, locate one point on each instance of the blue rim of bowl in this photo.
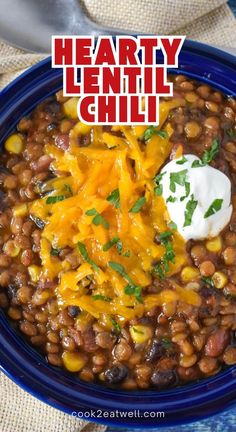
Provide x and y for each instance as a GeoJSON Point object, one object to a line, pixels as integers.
{"type": "Point", "coordinates": [27, 368]}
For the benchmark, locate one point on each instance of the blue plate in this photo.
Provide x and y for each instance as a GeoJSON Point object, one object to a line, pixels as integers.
{"type": "Point", "coordinates": [27, 368]}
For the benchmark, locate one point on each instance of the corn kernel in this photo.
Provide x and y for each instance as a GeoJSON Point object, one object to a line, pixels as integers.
{"type": "Point", "coordinates": [20, 210]}
{"type": "Point", "coordinates": [219, 279]}
{"type": "Point", "coordinates": [34, 272]}
{"type": "Point", "coordinates": [14, 144]}
{"type": "Point", "coordinates": [140, 333]}
{"type": "Point", "coordinates": [214, 245]}
{"type": "Point", "coordinates": [73, 361]}
{"type": "Point", "coordinates": [81, 128]}
{"type": "Point", "coordinates": [11, 249]}
{"type": "Point", "coordinates": [70, 107]}
{"type": "Point", "coordinates": [189, 274]}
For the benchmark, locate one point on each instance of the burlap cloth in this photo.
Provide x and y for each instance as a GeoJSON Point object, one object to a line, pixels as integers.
{"type": "Point", "coordinates": [209, 21]}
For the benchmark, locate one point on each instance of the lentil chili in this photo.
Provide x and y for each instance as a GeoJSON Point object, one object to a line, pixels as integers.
{"type": "Point", "coordinates": [168, 344]}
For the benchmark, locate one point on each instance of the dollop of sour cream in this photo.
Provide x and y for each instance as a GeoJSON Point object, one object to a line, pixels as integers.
{"type": "Point", "coordinates": [198, 198]}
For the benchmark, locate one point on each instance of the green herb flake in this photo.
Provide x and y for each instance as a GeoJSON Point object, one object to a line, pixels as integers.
{"type": "Point", "coordinates": [165, 235]}
{"type": "Point", "coordinates": [98, 218]}
{"type": "Point", "coordinates": [214, 207]}
{"type": "Point", "coordinates": [68, 189]}
{"type": "Point", "coordinates": [231, 132]}
{"type": "Point", "coordinates": [171, 199]}
{"type": "Point", "coordinates": [187, 191]}
{"type": "Point", "coordinates": [110, 243]}
{"type": "Point", "coordinates": [84, 253]}
{"type": "Point", "coordinates": [182, 161]}
{"type": "Point", "coordinates": [131, 288]}
{"type": "Point", "coordinates": [158, 190]}
{"type": "Point", "coordinates": [151, 130]}
{"type": "Point", "coordinates": [177, 178]}
{"type": "Point", "coordinates": [91, 212]}
{"type": "Point", "coordinates": [138, 205]}
{"type": "Point", "coordinates": [114, 198]}
{"type": "Point", "coordinates": [134, 290]}
{"type": "Point", "coordinates": [208, 155]}
{"type": "Point", "coordinates": [101, 297]}
{"type": "Point", "coordinates": [208, 281]}
{"type": "Point", "coordinates": [167, 344]}
{"type": "Point", "coordinates": [172, 225]}
{"type": "Point", "coordinates": [135, 330]}
{"type": "Point", "coordinates": [158, 177]}
{"type": "Point", "coordinates": [54, 251]}
{"type": "Point", "coordinates": [190, 209]}
{"type": "Point", "coordinates": [162, 267]}
{"type": "Point", "coordinates": [115, 325]}
{"type": "Point", "coordinates": [126, 254]}
{"type": "Point", "coordinates": [197, 164]}
{"type": "Point", "coordinates": [161, 133]}
{"type": "Point", "coordinates": [55, 199]}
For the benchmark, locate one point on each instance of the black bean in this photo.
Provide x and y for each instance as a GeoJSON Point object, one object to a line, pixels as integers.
{"type": "Point", "coordinates": [51, 126]}
{"type": "Point", "coordinates": [53, 108]}
{"type": "Point", "coordinates": [163, 379]}
{"type": "Point", "coordinates": [73, 311]}
{"type": "Point", "coordinates": [155, 351]}
{"type": "Point", "coordinates": [38, 222]}
{"type": "Point", "coordinates": [11, 291]}
{"type": "Point", "coordinates": [116, 374]}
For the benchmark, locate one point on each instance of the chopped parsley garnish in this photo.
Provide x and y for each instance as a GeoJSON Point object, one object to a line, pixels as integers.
{"type": "Point", "coordinates": [208, 281]}
{"type": "Point", "coordinates": [135, 330]}
{"type": "Point", "coordinates": [134, 290]}
{"type": "Point", "coordinates": [162, 267]}
{"type": "Point", "coordinates": [187, 191]}
{"type": "Point", "coordinates": [114, 198]}
{"type": "Point", "coordinates": [214, 207]}
{"type": "Point", "coordinates": [110, 243]}
{"type": "Point", "coordinates": [171, 199]}
{"type": "Point", "coordinates": [55, 199]}
{"type": "Point", "coordinates": [101, 297]}
{"type": "Point", "coordinates": [119, 268]}
{"type": "Point", "coordinates": [158, 188]}
{"type": "Point", "coordinates": [167, 344]}
{"type": "Point", "coordinates": [126, 254]}
{"type": "Point", "coordinates": [208, 155]}
{"type": "Point", "coordinates": [131, 288]}
{"type": "Point", "coordinates": [98, 218]}
{"type": "Point", "coordinates": [231, 132]}
{"type": "Point", "coordinates": [172, 225]}
{"type": "Point", "coordinates": [85, 255]}
{"type": "Point", "coordinates": [115, 325]}
{"type": "Point", "coordinates": [181, 161]}
{"type": "Point", "coordinates": [54, 251]}
{"type": "Point", "coordinates": [165, 235]}
{"type": "Point", "coordinates": [177, 178]}
{"type": "Point", "coordinates": [151, 130]}
{"type": "Point", "coordinates": [119, 246]}
{"type": "Point", "coordinates": [68, 189]}
{"type": "Point", "coordinates": [138, 205]}
{"type": "Point", "coordinates": [190, 208]}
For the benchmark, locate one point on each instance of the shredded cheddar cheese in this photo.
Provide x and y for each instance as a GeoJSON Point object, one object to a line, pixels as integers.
{"type": "Point", "coordinates": [105, 196]}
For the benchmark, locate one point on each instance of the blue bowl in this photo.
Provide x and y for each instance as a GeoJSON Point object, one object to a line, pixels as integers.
{"type": "Point", "coordinates": [27, 368]}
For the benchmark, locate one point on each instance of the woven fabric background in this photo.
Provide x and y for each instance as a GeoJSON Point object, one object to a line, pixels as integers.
{"type": "Point", "coordinates": [209, 21]}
